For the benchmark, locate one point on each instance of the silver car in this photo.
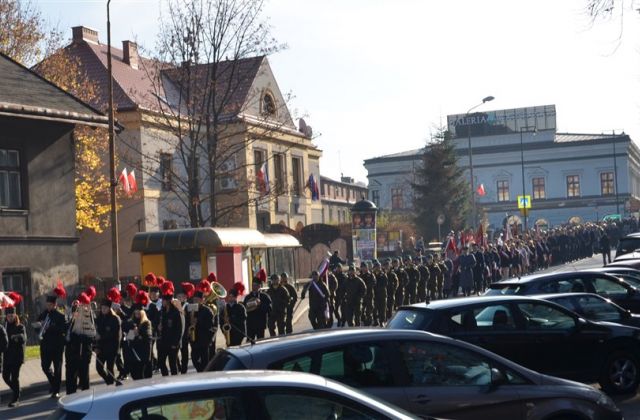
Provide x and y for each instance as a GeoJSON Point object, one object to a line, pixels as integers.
{"type": "Point", "coordinates": [226, 395]}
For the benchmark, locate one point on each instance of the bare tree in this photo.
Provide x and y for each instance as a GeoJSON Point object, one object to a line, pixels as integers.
{"type": "Point", "coordinates": [208, 55]}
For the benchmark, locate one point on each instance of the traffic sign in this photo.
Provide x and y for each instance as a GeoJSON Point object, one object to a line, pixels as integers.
{"type": "Point", "coordinates": [440, 219]}
{"type": "Point", "coordinates": [524, 201]}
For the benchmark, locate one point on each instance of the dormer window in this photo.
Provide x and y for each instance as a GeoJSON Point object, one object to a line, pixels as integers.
{"type": "Point", "coordinates": [268, 104]}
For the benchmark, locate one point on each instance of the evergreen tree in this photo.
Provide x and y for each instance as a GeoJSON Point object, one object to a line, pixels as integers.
{"type": "Point", "coordinates": [441, 187]}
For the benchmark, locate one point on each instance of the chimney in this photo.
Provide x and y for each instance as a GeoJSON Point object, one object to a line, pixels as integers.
{"type": "Point", "coordinates": [82, 33]}
{"type": "Point", "coordinates": [130, 54]}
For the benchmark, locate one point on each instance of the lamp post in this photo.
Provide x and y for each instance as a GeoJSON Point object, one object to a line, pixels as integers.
{"type": "Point", "coordinates": [115, 266]}
{"type": "Point", "coordinates": [527, 129]}
{"type": "Point", "coordinates": [473, 190]}
{"type": "Point", "coordinates": [615, 172]}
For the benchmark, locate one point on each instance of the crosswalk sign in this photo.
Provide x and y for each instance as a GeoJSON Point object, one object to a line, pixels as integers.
{"type": "Point", "coordinates": [524, 201]}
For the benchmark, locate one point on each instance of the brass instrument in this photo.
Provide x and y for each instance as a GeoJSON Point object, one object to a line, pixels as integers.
{"type": "Point", "coordinates": [84, 322]}
{"type": "Point", "coordinates": [252, 304]}
{"type": "Point", "coordinates": [193, 321]}
{"type": "Point", "coordinates": [217, 292]}
{"type": "Point", "coordinates": [226, 327]}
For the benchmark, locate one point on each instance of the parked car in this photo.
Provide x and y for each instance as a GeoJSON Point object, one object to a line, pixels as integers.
{"type": "Point", "coordinates": [631, 260]}
{"type": "Point", "coordinates": [628, 244]}
{"type": "Point", "coordinates": [628, 274]}
{"type": "Point", "coordinates": [588, 281]}
{"type": "Point", "coordinates": [228, 395]}
{"type": "Point", "coordinates": [426, 374]}
{"type": "Point", "coordinates": [594, 308]}
{"type": "Point", "coordinates": [535, 333]}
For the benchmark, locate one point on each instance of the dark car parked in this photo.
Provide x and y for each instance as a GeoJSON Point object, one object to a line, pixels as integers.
{"type": "Point", "coordinates": [535, 333]}
{"type": "Point", "coordinates": [586, 281]}
{"type": "Point", "coordinates": [426, 374]}
{"type": "Point", "coordinates": [594, 308]}
{"type": "Point", "coordinates": [628, 244]}
{"type": "Point", "coordinates": [628, 274]}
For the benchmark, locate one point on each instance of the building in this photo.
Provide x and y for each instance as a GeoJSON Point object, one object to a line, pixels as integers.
{"type": "Point", "coordinates": [38, 237]}
{"type": "Point", "coordinates": [144, 90]}
{"type": "Point", "coordinates": [337, 198]}
{"type": "Point", "coordinates": [571, 178]}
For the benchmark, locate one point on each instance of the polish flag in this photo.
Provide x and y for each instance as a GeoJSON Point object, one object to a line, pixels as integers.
{"type": "Point", "coordinates": [133, 185]}
{"type": "Point", "coordinates": [263, 179]}
{"type": "Point", "coordinates": [481, 192]}
{"type": "Point", "coordinates": [124, 181]}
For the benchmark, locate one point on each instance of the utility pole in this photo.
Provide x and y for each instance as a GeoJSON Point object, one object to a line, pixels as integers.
{"type": "Point", "coordinates": [115, 265]}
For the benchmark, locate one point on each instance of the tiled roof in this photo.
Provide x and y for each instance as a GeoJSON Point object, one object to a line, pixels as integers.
{"type": "Point", "coordinates": [22, 89]}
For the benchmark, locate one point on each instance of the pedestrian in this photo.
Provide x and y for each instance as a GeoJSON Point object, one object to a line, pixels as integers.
{"type": "Point", "coordinates": [123, 313]}
{"type": "Point", "coordinates": [234, 319]}
{"type": "Point", "coordinates": [201, 331]}
{"type": "Point", "coordinates": [318, 301]}
{"type": "Point", "coordinates": [355, 289]}
{"type": "Point", "coordinates": [605, 248]}
{"type": "Point", "coordinates": [170, 331]}
{"type": "Point", "coordinates": [467, 262]}
{"type": "Point", "coordinates": [341, 282]}
{"type": "Point", "coordinates": [380, 307]}
{"type": "Point", "coordinates": [13, 343]}
{"type": "Point", "coordinates": [368, 303]}
{"type": "Point", "coordinates": [279, 303]}
{"type": "Point", "coordinates": [424, 278]}
{"type": "Point", "coordinates": [293, 298]}
{"type": "Point", "coordinates": [335, 260]}
{"type": "Point", "coordinates": [109, 331]}
{"type": "Point", "coordinates": [392, 286]}
{"type": "Point", "coordinates": [413, 273]}
{"type": "Point", "coordinates": [51, 323]}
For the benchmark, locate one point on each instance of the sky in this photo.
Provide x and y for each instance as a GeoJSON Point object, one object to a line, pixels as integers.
{"type": "Point", "coordinates": [374, 77]}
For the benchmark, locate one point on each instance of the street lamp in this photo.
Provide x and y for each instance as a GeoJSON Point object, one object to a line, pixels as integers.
{"type": "Point", "coordinates": [527, 129]}
{"type": "Point", "coordinates": [473, 190]}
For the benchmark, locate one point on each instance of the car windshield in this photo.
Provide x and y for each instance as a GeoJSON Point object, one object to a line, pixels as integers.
{"type": "Point", "coordinates": [498, 289]}
{"type": "Point", "coordinates": [411, 319]}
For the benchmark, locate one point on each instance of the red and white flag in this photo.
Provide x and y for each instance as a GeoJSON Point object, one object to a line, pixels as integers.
{"type": "Point", "coordinates": [481, 192]}
{"type": "Point", "coordinates": [133, 185]}
{"type": "Point", "coordinates": [124, 181]}
{"type": "Point", "coordinates": [263, 180]}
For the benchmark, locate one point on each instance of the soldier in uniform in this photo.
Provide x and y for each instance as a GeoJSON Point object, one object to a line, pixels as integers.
{"type": "Point", "coordinates": [279, 303]}
{"type": "Point", "coordinates": [332, 286]}
{"type": "Point", "coordinates": [403, 281]}
{"type": "Point", "coordinates": [13, 358]}
{"type": "Point", "coordinates": [434, 273]}
{"type": "Point", "coordinates": [293, 298]}
{"type": "Point", "coordinates": [109, 333]}
{"type": "Point", "coordinates": [424, 278]}
{"type": "Point", "coordinates": [355, 289]}
{"type": "Point", "coordinates": [411, 295]}
{"type": "Point", "coordinates": [170, 331]}
{"type": "Point", "coordinates": [318, 301]}
{"type": "Point", "coordinates": [201, 331]}
{"type": "Point", "coordinates": [392, 286]}
{"type": "Point", "coordinates": [258, 305]}
{"type": "Point", "coordinates": [369, 297]}
{"type": "Point", "coordinates": [341, 280]}
{"type": "Point", "coordinates": [478, 269]}
{"type": "Point", "coordinates": [234, 319]}
{"type": "Point", "coordinates": [52, 339]}
{"type": "Point", "coordinates": [380, 310]}
{"type": "Point", "coordinates": [437, 259]}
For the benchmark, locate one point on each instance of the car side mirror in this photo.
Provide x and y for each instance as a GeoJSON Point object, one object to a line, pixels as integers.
{"type": "Point", "coordinates": [497, 378]}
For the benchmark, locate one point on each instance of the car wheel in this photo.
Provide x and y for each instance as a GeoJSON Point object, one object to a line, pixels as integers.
{"type": "Point", "coordinates": [620, 373]}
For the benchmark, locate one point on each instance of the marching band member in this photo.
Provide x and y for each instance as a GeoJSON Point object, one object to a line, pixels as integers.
{"type": "Point", "coordinates": [14, 354]}
{"type": "Point", "coordinates": [201, 332]}
{"type": "Point", "coordinates": [52, 337]}
{"type": "Point", "coordinates": [109, 330]}
{"type": "Point", "coordinates": [234, 318]}
{"type": "Point", "coordinates": [258, 306]}
{"type": "Point", "coordinates": [170, 331]}
{"type": "Point", "coordinates": [81, 331]}
{"type": "Point", "coordinates": [188, 289]}
{"type": "Point", "coordinates": [138, 333]}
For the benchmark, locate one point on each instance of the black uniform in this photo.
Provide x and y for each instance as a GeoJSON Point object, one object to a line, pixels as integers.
{"type": "Point", "coordinates": [257, 318]}
{"type": "Point", "coordinates": [293, 299]}
{"type": "Point", "coordinates": [318, 303]}
{"type": "Point", "coordinates": [279, 304]}
{"type": "Point", "coordinates": [52, 347]}
{"type": "Point", "coordinates": [107, 345]}
{"type": "Point", "coordinates": [205, 329]}
{"type": "Point", "coordinates": [137, 352]}
{"type": "Point", "coordinates": [171, 329]}
{"type": "Point", "coordinates": [77, 355]}
{"type": "Point", "coordinates": [237, 315]}
{"type": "Point", "coordinates": [13, 357]}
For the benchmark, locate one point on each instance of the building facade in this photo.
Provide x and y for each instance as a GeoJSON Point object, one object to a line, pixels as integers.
{"type": "Point", "coordinates": [570, 177]}
{"type": "Point", "coordinates": [38, 236]}
{"type": "Point", "coordinates": [260, 137]}
{"type": "Point", "coordinates": [338, 197]}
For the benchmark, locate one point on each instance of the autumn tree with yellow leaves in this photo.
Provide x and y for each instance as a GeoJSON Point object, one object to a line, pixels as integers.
{"type": "Point", "coordinates": [25, 38]}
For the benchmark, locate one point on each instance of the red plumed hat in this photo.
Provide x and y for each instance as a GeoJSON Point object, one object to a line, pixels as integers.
{"type": "Point", "coordinates": [212, 277]}
{"type": "Point", "coordinates": [84, 299]}
{"type": "Point", "coordinates": [59, 290]}
{"type": "Point", "coordinates": [262, 275]}
{"type": "Point", "coordinates": [131, 290]}
{"type": "Point", "coordinates": [239, 287]}
{"type": "Point", "coordinates": [15, 297]}
{"type": "Point", "coordinates": [188, 288]}
{"type": "Point", "coordinates": [160, 281]}
{"type": "Point", "coordinates": [142, 298]}
{"type": "Point", "coordinates": [167, 288]}
{"type": "Point", "coordinates": [91, 292]}
{"type": "Point", "coordinates": [204, 286]}
{"type": "Point", "coordinates": [149, 280]}
{"type": "Point", "coordinates": [114, 295]}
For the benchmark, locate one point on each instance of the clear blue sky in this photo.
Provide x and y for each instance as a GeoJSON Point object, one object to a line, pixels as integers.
{"type": "Point", "coordinates": [374, 76]}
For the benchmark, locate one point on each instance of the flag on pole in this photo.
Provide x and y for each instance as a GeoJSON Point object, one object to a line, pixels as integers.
{"type": "Point", "coordinates": [263, 180]}
{"type": "Point", "coordinates": [451, 245]}
{"type": "Point", "coordinates": [133, 185]}
{"type": "Point", "coordinates": [481, 191]}
{"type": "Point", "coordinates": [480, 240]}
{"type": "Point", "coordinates": [124, 181]}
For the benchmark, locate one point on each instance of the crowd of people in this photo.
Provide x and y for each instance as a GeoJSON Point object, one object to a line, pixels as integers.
{"type": "Point", "coordinates": [156, 328]}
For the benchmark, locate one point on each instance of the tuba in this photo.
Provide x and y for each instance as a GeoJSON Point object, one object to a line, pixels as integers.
{"type": "Point", "coordinates": [217, 292]}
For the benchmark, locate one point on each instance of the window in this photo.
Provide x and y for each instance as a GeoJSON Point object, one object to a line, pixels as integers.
{"type": "Point", "coordinates": [564, 286]}
{"type": "Point", "coordinates": [396, 199]}
{"type": "Point", "coordinates": [608, 287]}
{"type": "Point", "coordinates": [268, 104]}
{"type": "Point", "coordinates": [15, 281]}
{"type": "Point", "coordinates": [10, 188]}
{"type": "Point", "coordinates": [539, 316]}
{"type": "Point", "coordinates": [196, 406]}
{"type": "Point", "coordinates": [258, 159]}
{"type": "Point", "coordinates": [592, 307]}
{"type": "Point", "coordinates": [296, 167]}
{"type": "Point", "coordinates": [166, 171]}
{"type": "Point", "coordinates": [299, 404]}
{"type": "Point", "coordinates": [503, 190]}
{"type": "Point", "coordinates": [375, 197]}
{"type": "Point", "coordinates": [487, 318]}
{"type": "Point", "coordinates": [573, 186]}
{"type": "Point", "coordinates": [538, 188]}
{"type": "Point", "coordinates": [606, 183]}
{"type": "Point", "coordinates": [280, 174]}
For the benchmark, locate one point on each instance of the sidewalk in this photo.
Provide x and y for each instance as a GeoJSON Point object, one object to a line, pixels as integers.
{"type": "Point", "coordinates": [33, 380]}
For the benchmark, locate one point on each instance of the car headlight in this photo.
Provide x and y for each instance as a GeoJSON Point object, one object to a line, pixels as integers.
{"type": "Point", "coordinates": [605, 402]}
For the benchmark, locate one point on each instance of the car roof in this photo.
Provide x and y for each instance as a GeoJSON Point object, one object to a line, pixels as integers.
{"type": "Point", "coordinates": [536, 277]}
{"type": "Point", "coordinates": [564, 295]}
{"type": "Point", "coordinates": [614, 269]}
{"type": "Point", "coordinates": [632, 235]}
{"type": "Point", "coordinates": [463, 301]}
